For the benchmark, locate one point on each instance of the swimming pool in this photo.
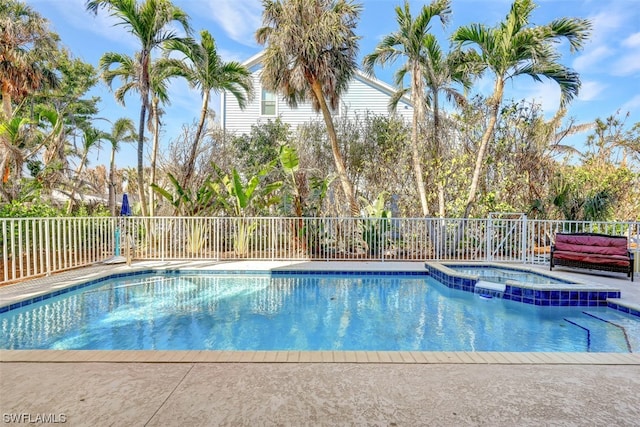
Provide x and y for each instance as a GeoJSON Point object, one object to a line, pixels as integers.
{"type": "Point", "coordinates": [384, 312]}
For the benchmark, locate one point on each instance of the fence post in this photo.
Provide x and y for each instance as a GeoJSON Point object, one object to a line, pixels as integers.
{"type": "Point", "coordinates": [47, 247]}
{"type": "Point", "coordinates": [525, 239]}
{"type": "Point", "coordinates": [488, 252]}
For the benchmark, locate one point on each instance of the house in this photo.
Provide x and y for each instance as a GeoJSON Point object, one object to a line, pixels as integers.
{"type": "Point", "coordinates": [365, 94]}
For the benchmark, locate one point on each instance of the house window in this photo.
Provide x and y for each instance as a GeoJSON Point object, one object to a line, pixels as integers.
{"type": "Point", "coordinates": [268, 103]}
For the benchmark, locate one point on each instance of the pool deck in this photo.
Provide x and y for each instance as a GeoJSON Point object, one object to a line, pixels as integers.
{"type": "Point", "coordinates": [319, 388]}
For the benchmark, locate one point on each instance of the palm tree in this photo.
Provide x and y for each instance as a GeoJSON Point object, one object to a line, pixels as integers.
{"type": "Point", "coordinates": [162, 70]}
{"type": "Point", "coordinates": [311, 55]}
{"type": "Point", "coordinates": [413, 42]}
{"type": "Point", "coordinates": [128, 70]}
{"type": "Point", "coordinates": [442, 74]}
{"type": "Point", "coordinates": [150, 22]}
{"type": "Point", "coordinates": [514, 48]}
{"type": "Point", "coordinates": [123, 130]}
{"type": "Point", "coordinates": [14, 135]}
{"type": "Point", "coordinates": [206, 71]}
{"type": "Point", "coordinates": [91, 137]}
{"type": "Point", "coordinates": [25, 43]}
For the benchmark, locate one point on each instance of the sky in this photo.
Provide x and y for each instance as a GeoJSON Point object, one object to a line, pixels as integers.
{"type": "Point", "coordinates": [609, 64]}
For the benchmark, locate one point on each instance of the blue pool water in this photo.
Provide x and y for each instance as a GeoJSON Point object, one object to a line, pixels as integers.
{"type": "Point", "coordinates": [305, 312]}
{"type": "Point", "coordinates": [503, 274]}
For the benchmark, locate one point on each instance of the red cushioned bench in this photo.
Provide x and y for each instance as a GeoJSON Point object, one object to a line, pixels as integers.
{"type": "Point", "coordinates": [592, 251]}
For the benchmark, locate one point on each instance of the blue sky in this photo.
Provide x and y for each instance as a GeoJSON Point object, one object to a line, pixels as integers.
{"type": "Point", "coordinates": [609, 65]}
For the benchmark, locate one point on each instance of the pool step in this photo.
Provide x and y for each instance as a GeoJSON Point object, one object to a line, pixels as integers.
{"type": "Point", "coordinates": [626, 323]}
{"type": "Point", "coordinates": [597, 335]}
{"type": "Point", "coordinates": [488, 289]}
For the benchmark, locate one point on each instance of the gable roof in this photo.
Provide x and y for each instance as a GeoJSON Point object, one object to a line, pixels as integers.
{"type": "Point", "coordinates": [256, 60]}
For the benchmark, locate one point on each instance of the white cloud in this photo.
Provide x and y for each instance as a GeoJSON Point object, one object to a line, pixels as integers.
{"type": "Point", "coordinates": [101, 24]}
{"type": "Point", "coordinates": [547, 94]}
{"type": "Point", "coordinates": [629, 63]}
{"type": "Point", "coordinates": [231, 55]}
{"type": "Point", "coordinates": [590, 90]}
{"type": "Point", "coordinates": [593, 59]}
{"type": "Point", "coordinates": [608, 21]}
{"type": "Point", "coordinates": [632, 41]}
{"type": "Point", "coordinates": [238, 18]}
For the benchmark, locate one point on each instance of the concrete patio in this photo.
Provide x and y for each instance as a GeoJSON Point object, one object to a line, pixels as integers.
{"type": "Point", "coordinates": [206, 394]}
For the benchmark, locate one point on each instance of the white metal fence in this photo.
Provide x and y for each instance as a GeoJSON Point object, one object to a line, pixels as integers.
{"type": "Point", "coordinates": [39, 246]}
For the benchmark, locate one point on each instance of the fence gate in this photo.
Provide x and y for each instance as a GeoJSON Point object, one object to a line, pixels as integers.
{"type": "Point", "coordinates": [506, 237]}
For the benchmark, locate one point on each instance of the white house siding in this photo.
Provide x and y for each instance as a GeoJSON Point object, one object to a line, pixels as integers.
{"type": "Point", "coordinates": [364, 94]}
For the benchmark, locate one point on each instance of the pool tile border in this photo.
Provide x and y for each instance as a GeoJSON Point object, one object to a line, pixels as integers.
{"type": "Point", "coordinates": [556, 295]}
{"type": "Point", "coordinates": [360, 357]}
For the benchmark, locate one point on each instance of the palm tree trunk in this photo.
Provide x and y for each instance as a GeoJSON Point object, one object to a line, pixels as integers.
{"type": "Point", "coordinates": [154, 154]}
{"type": "Point", "coordinates": [141, 194]}
{"type": "Point", "coordinates": [6, 105]}
{"type": "Point", "coordinates": [196, 141]}
{"type": "Point", "coordinates": [112, 182]}
{"type": "Point", "coordinates": [437, 154]}
{"type": "Point", "coordinates": [5, 167]}
{"type": "Point", "coordinates": [484, 143]}
{"type": "Point", "coordinates": [441, 208]}
{"type": "Point", "coordinates": [76, 183]}
{"type": "Point", "coordinates": [418, 113]}
{"type": "Point", "coordinates": [347, 187]}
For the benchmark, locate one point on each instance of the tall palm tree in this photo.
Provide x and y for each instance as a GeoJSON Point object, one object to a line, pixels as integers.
{"type": "Point", "coordinates": [123, 130]}
{"type": "Point", "coordinates": [162, 70]}
{"type": "Point", "coordinates": [128, 71]}
{"type": "Point", "coordinates": [413, 42]}
{"type": "Point", "coordinates": [150, 21]}
{"type": "Point", "coordinates": [25, 43]}
{"type": "Point", "coordinates": [311, 55]}
{"type": "Point", "coordinates": [443, 73]}
{"type": "Point", "coordinates": [206, 71]}
{"type": "Point", "coordinates": [514, 48]}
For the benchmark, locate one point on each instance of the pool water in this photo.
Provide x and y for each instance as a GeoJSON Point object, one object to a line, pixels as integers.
{"type": "Point", "coordinates": [306, 312]}
{"type": "Point", "coordinates": [503, 274]}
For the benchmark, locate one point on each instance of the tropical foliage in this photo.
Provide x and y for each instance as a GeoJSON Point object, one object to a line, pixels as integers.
{"type": "Point", "coordinates": [460, 155]}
